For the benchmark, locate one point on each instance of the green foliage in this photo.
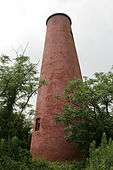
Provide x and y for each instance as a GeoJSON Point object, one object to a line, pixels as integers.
{"type": "Point", "coordinates": [40, 164]}
{"type": "Point", "coordinates": [18, 83]}
{"type": "Point", "coordinates": [15, 157]}
{"type": "Point", "coordinates": [6, 163]}
{"type": "Point", "coordinates": [61, 166]}
{"type": "Point", "coordinates": [89, 112]}
{"type": "Point", "coordinates": [101, 158]}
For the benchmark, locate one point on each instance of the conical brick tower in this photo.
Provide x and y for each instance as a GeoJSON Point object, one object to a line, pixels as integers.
{"type": "Point", "coordinates": [60, 64]}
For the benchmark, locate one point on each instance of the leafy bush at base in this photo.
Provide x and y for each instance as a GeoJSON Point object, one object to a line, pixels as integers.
{"type": "Point", "coordinates": [6, 163]}
{"type": "Point", "coordinates": [101, 158]}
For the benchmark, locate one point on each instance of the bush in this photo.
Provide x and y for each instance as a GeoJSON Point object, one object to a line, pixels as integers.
{"type": "Point", "coordinates": [59, 166]}
{"type": "Point", "coordinates": [66, 166]}
{"type": "Point", "coordinates": [6, 163]}
{"type": "Point", "coordinates": [39, 165]}
{"type": "Point", "coordinates": [101, 158]}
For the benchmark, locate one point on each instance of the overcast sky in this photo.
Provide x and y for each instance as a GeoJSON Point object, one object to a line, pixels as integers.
{"type": "Point", "coordinates": [23, 21]}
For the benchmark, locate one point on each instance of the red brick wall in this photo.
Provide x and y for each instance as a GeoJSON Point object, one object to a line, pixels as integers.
{"type": "Point", "coordinates": [60, 64]}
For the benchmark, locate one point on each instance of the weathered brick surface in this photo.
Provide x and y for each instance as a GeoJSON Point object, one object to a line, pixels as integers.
{"type": "Point", "coordinates": [60, 64]}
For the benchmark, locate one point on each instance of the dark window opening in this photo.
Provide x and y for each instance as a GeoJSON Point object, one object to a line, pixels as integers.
{"type": "Point", "coordinates": [37, 125]}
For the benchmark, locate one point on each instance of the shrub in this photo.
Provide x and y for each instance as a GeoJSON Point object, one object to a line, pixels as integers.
{"type": "Point", "coordinates": [101, 158]}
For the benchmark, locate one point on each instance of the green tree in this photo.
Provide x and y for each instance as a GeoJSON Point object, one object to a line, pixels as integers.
{"type": "Point", "coordinates": [89, 110]}
{"type": "Point", "coordinates": [18, 83]}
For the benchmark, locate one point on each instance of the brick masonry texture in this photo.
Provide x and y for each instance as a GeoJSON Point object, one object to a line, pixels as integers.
{"type": "Point", "coordinates": [60, 64]}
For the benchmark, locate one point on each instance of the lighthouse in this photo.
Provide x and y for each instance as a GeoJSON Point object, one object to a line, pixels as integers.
{"type": "Point", "coordinates": [59, 65]}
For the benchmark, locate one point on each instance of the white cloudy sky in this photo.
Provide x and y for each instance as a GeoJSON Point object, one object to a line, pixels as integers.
{"type": "Point", "coordinates": [23, 21]}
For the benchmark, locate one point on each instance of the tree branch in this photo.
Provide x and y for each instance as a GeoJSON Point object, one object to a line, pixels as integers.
{"type": "Point", "coordinates": [30, 95]}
